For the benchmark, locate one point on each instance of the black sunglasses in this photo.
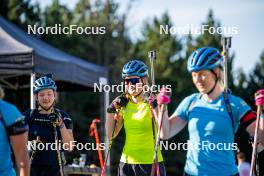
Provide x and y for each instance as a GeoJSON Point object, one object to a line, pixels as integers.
{"type": "Point", "coordinates": [133, 81]}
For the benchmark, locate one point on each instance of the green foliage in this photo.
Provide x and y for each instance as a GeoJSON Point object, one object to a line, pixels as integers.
{"type": "Point", "coordinates": [115, 48]}
{"type": "Point", "coordinates": [253, 82]}
{"type": "Point", "coordinates": [20, 12]}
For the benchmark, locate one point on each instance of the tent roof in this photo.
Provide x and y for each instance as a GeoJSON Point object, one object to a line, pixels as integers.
{"type": "Point", "coordinates": [11, 46]}
{"type": "Point", "coordinates": [15, 58]}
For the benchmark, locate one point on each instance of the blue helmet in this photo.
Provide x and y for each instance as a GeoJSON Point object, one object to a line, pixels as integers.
{"type": "Point", "coordinates": [135, 68]}
{"type": "Point", "coordinates": [205, 58]}
{"type": "Point", "coordinates": [44, 82]}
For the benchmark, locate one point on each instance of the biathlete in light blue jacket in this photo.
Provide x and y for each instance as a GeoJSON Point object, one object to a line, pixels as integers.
{"type": "Point", "coordinates": [211, 126]}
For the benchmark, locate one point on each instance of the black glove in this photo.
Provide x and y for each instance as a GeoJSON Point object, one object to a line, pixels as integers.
{"type": "Point", "coordinates": [53, 117]}
{"type": "Point", "coordinates": [151, 99]}
{"type": "Point", "coordinates": [117, 103]}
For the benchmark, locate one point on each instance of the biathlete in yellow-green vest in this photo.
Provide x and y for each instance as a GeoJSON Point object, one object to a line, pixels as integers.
{"type": "Point", "coordinates": [134, 113]}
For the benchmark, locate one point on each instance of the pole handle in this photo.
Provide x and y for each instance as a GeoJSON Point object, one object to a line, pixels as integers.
{"type": "Point", "coordinates": [152, 54]}
{"type": "Point", "coordinates": [226, 42]}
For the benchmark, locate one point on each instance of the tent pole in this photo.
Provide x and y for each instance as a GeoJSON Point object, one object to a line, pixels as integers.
{"type": "Point", "coordinates": [104, 81]}
{"type": "Point", "coordinates": [106, 102]}
{"type": "Point", "coordinates": [32, 80]}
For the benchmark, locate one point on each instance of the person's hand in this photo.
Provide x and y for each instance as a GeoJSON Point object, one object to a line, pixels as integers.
{"type": "Point", "coordinates": [164, 97]}
{"type": "Point", "coordinates": [60, 123]}
{"type": "Point", "coordinates": [259, 97]}
{"type": "Point", "coordinates": [153, 101]}
{"type": "Point", "coordinates": [118, 103]}
{"type": "Point", "coordinates": [57, 119]}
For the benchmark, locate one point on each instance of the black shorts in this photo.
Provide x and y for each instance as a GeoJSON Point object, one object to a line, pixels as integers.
{"type": "Point", "coordinates": [138, 169]}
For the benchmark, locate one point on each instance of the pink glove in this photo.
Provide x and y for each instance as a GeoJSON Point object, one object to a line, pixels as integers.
{"type": "Point", "coordinates": [259, 97]}
{"type": "Point", "coordinates": [164, 96]}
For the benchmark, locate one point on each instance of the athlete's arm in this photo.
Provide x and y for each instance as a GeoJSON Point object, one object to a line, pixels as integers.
{"type": "Point", "coordinates": [19, 146]}
{"type": "Point", "coordinates": [261, 127]}
{"type": "Point", "coordinates": [114, 122]}
{"type": "Point", "coordinates": [249, 122]}
{"type": "Point", "coordinates": [17, 130]}
{"type": "Point", "coordinates": [171, 125]}
{"type": "Point", "coordinates": [109, 125]}
{"type": "Point", "coordinates": [67, 138]}
{"type": "Point", "coordinates": [66, 127]}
